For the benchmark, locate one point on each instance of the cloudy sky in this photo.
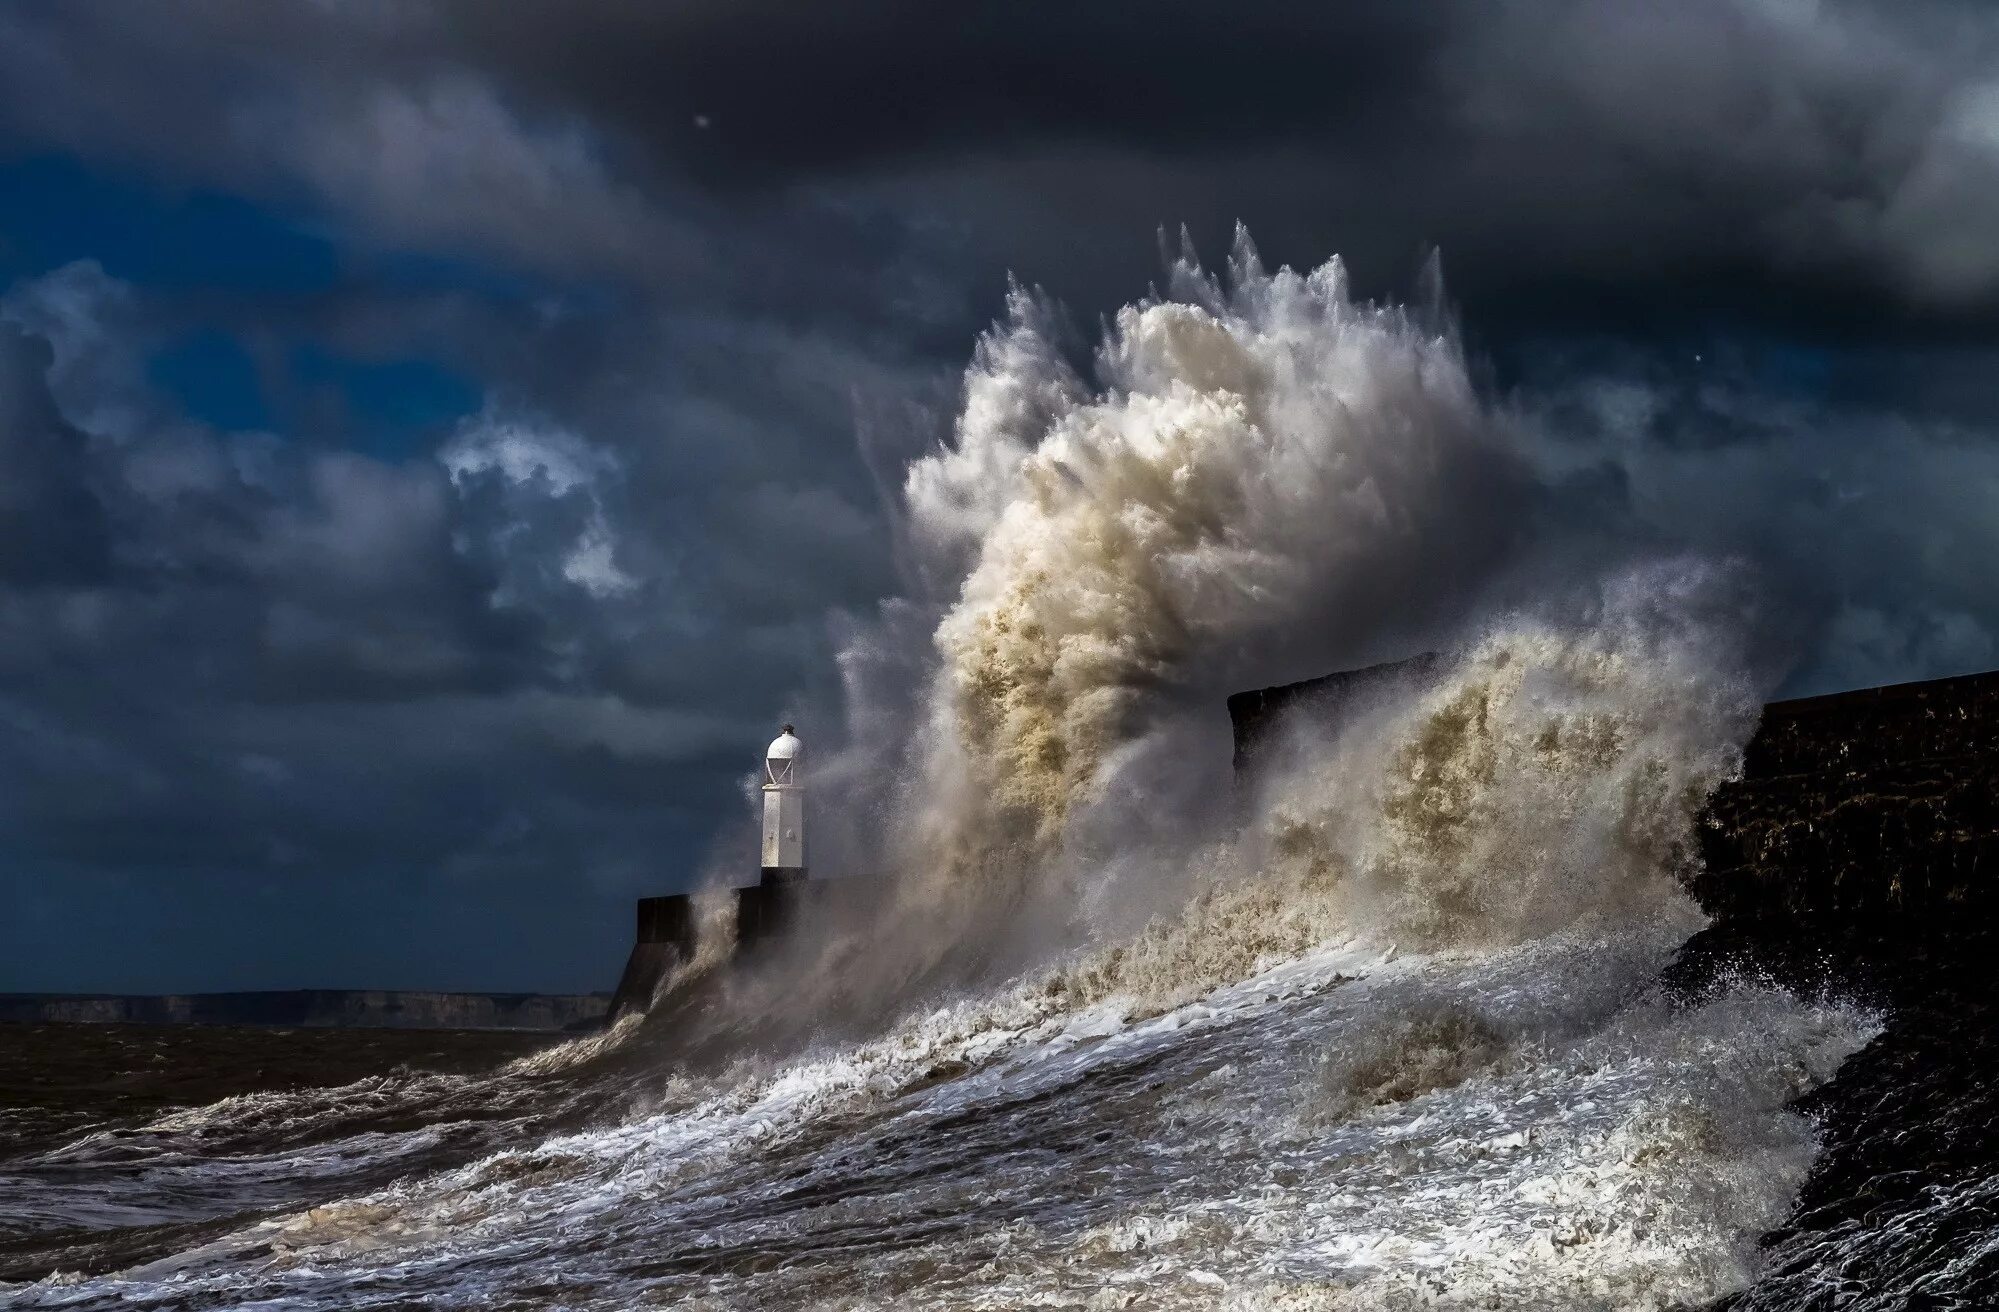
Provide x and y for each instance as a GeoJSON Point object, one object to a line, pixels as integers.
{"type": "Point", "coordinates": [434, 437]}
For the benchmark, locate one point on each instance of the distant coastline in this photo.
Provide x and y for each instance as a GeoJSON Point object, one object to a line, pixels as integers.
{"type": "Point", "coordinates": [315, 1008]}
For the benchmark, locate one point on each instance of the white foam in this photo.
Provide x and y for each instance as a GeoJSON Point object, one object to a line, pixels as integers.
{"type": "Point", "coordinates": [1615, 1149]}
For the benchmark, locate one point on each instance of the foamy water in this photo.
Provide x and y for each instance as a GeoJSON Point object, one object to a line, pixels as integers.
{"type": "Point", "coordinates": [1591, 1146]}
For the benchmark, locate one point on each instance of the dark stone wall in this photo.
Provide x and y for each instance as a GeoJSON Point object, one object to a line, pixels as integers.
{"type": "Point", "coordinates": [665, 937]}
{"type": "Point", "coordinates": [1254, 716]}
{"type": "Point", "coordinates": [645, 967]}
{"type": "Point", "coordinates": [1866, 820]}
{"type": "Point", "coordinates": [667, 920]}
{"type": "Point", "coordinates": [771, 907]}
{"type": "Point", "coordinates": [783, 905]}
{"type": "Point", "coordinates": [1857, 853]}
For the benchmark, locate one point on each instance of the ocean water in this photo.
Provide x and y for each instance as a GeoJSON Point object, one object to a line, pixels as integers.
{"type": "Point", "coordinates": [1533, 1127]}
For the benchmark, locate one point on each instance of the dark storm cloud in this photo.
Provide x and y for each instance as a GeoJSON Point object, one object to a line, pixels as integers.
{"type": "Point", "coordinates": [1729, 261]}
{"type": "Point", "coordinates": [52, 525]}
{"type": "Point", "coordinates": [1586, 155]}
{"type": "Point", "coordinates": [526, 662]}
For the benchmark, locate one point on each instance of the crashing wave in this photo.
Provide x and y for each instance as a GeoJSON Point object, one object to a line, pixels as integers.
{"type": "Point", "coordinates": [1377, 1031]}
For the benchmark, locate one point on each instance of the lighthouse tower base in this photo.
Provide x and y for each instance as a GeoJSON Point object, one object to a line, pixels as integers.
{"type": "Point", "coordinates": [771, 906]}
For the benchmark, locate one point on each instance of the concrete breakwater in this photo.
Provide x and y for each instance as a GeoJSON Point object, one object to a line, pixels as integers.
{"type": "Point", "coordinates": [665, 937]}
{"type": "Point", "coordinates": [1867, 820]}
{"type": "Point", "coordinates": [781, 902]}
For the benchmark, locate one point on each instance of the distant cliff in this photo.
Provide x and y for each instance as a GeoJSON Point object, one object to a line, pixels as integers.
{"type": "Point", "coordinates": [309, 1008]}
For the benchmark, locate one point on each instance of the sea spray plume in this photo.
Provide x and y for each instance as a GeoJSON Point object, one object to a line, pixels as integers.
{"type": "Point", "coordinates": [1550, 779]}
{"type": "Point", "coordinates": [1018, 384]}
{"type": "Point", "coordinates": [1543, 780]}
{"type": "Point", "coordinates": [1268, 479]}
{"type": "Point", "coordinates": [1269, 473]}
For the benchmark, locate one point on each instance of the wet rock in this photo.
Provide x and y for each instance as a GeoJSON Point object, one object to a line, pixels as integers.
{"type": "Point", "coordinates": [1857, 854]}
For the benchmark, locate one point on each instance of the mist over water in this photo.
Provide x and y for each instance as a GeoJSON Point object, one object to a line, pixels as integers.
{"type": "Point", "coordinates": [1378, 1028]}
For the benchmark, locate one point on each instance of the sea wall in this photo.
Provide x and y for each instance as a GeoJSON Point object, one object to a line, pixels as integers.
{"type": "Point", "coordinates": [665, 937]}
{"type": "Point", "coordinates": [1864, 824]}
{"type": "Point", "coordinates": [1857, 854]}
{"type": "Point", "coordinates": [781, 903]}
{"type": "Point", "coordinates": [1256, 716]}
{"type": "Point", "coordinates": [1866, 821]}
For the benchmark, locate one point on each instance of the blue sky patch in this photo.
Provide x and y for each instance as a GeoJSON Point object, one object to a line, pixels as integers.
{"type": "Point", "coordinates": [214, 379]}
{"type": "Point", "coordinates": [54, 210]}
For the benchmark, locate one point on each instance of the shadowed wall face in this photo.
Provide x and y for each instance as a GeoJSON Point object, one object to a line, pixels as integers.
{"type": "Point", "coordinates": [1868, 818]}
{"type": "Point", "coordinates": [1256, 717]}
{"type": "Point", "coordinates": [666, 938]}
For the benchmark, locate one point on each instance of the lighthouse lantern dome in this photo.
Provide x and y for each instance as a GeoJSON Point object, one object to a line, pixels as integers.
{"type": "Point", "coordinates": [781, 758]}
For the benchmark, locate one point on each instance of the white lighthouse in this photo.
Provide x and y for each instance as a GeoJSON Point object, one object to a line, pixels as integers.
{"type": "Point", "coordinates": [784, 809]}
